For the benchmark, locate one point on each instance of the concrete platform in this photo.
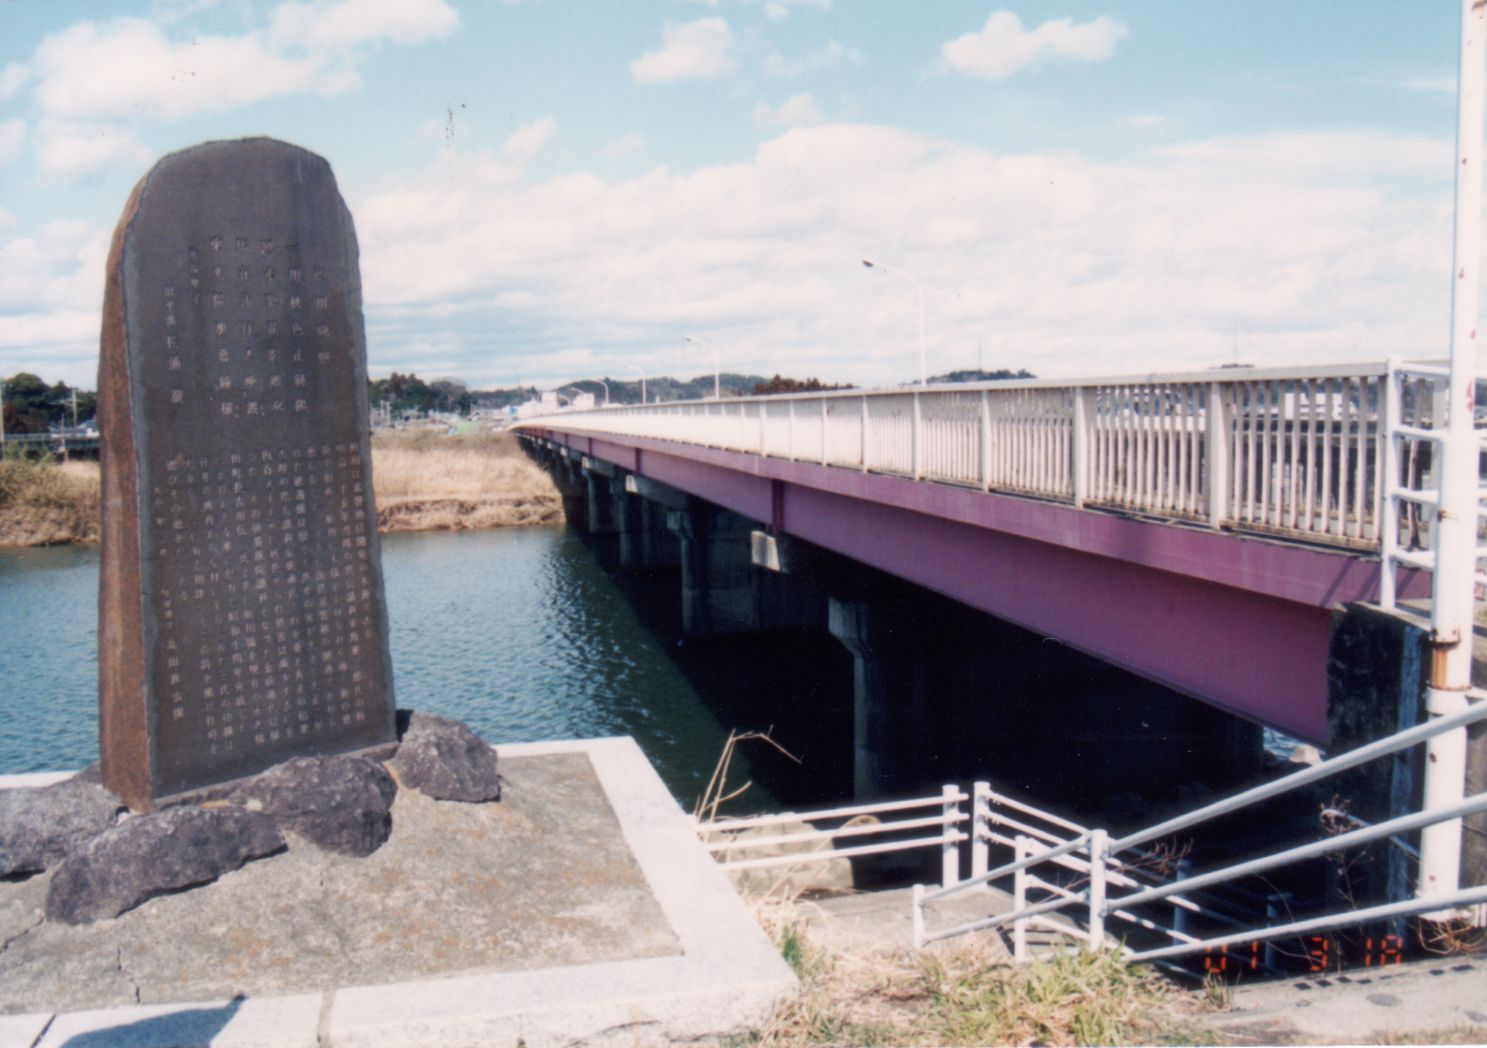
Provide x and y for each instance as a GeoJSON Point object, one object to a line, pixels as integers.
{"type": "Point", "coordinates": [581, 909]}
{"type": "Point", "coordinates": [1371, 1006]}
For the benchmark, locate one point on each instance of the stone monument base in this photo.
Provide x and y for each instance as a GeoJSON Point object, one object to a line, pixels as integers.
{"type": "Point", "coordinates": [581, 903]}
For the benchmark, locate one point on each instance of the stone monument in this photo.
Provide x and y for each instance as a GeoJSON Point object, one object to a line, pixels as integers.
{"type": "Point", "coordinates": [242, 620]}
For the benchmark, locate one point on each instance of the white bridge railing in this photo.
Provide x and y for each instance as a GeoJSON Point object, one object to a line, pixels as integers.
{"type": "Point", "coordinates": [1295, 452]}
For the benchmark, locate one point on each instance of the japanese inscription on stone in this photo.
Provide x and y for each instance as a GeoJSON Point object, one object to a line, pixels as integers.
{"type": "Point", "coordinates": [242, 618]}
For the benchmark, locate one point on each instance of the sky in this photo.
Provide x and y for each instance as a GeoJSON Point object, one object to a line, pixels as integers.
{"type": "Point", "coordinates": [545, 191]}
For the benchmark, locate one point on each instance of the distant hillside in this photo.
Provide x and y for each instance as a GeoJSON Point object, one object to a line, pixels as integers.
{"type": "Point", "coordinates": [664, 387]}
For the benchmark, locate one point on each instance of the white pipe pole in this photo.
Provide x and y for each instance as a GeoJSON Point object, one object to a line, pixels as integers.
{"type": "Point", "coordinates": [1452, 593]}
{"type": "Point", "coordinates": [919, 292]}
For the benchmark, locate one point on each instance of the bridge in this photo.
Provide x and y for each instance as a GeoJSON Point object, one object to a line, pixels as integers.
{"type": "Point", "coordinates": [1175, 525]}
{"type": "Point", "coordinates": [71, 440]}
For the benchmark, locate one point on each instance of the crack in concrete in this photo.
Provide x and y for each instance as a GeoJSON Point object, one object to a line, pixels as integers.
{"type": "Point", "coordinates": [328, 913]}
{"type": "Point", "coordinates": [119, 966]}
{"type": "Point", "coordinates": [18, 936]}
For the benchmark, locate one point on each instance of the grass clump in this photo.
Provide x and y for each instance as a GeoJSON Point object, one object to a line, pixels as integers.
{"type": "Point", "coordinates": [44, 502]}
{"type": "Point", "coordinates": [966, 994]}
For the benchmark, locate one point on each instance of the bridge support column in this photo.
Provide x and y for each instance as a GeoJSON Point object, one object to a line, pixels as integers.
{"type": "Point", "coordinates": [573, 489]}
{"type": "Point", "coordinates": [892, 733]}
{"type": "Point", "coordinates": [645, 541]}
{"type": "Point", "coordinates": [719, 594]}
{"type": "Point", "coordinates": [600, 479]}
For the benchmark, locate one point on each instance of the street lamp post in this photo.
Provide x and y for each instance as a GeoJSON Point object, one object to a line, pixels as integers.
{"type": "Point", "coordinates": [641, 373]}
{"type": "Point", "coordinates": [919, 290]}
{"type": "Point", "coordinates": [717, 373]}
{"type": "Point", "coordinates": [606, 390]}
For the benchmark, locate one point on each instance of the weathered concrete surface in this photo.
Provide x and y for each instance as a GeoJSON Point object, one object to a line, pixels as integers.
{"type": "Point", "coordinates": [1360, 1007]}
{"type": "Point", "coordinates": [543, 878]}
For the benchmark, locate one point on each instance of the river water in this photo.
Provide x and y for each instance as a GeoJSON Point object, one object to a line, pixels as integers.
{"type": "Point", "coordinates": [519, 632]}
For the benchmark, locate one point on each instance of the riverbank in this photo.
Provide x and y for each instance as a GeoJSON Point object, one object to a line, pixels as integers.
{"type": "Point", "coordinates": [423, 481]}
{"type": "Point", "coordinates": [426, 481]}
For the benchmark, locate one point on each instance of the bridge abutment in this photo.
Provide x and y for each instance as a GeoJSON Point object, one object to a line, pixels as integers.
{"type": "Point", "coordinates": [1377, 670]}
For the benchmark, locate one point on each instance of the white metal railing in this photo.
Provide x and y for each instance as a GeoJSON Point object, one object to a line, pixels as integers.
{"type": "Point", "coordinates": [1415, 420]}
{"type": "Point", "coordinates": [726, 838]}
{"type": "Point", "coordinates": [1110, 867]}
{"type": "Point", "coordinates": [1298, 452]}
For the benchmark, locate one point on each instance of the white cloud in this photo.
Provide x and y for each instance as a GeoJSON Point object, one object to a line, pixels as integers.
{"type": "Point", "coordinates": [1435, 85]}
{"type": "Point", "coordinates": [523, 144]}
{"type": "Point", "coordinates": [797, 111]}
{"type": "Point", "coordinates": [1003, 47]}
{"type": "Point", "coordinates": [626, 145]}
{"type": "Point", "coordinates": [346, 23]}
{"type": "Point", "coordinates": [779, 10]}
{"type": "Point", "coordinates": [12, 135]}
{"type": "Point", "coordinates": [1291, 237]}
{"type": "Point", "coordinates": [700, 50]}
{"type": "Point", "coordinates": [51, 291]}
{"type": "Point", "coordinates": [830, 56]}
{"type": "Point", "coordinates": [12, 78]}
{"type": "Point", "coordinates": [73, 149]}
{"type": "Point", "coordinates": [127, 68]}
{"type": "Point", "coordinates": [168, 11]}
{"type": "Point", "coordinates": [1143, 121]}
{"type": "Point", "coordinates": [6, 218]}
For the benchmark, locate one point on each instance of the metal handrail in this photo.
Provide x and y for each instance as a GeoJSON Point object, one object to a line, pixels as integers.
{"type": "Point", "coordinates": [1101, 849]}
{"type": "Point", "coordinates": [1340, 842]}
{"type": "Point", "coordinates": [1392, 744]}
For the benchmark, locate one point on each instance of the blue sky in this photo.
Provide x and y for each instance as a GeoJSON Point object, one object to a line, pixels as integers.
{"type": "Point", "coordinates": [547, 191]}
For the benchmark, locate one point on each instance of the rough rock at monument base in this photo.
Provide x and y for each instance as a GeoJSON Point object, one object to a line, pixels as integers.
{"type": "Point", "coordinates": [340, 803]}
{"type": "Point", "coordinates": [40, 826]}
{"type": "Point", "coordinates": [445, 760]}
{"type": "Point", "coordinates": [152, 855]}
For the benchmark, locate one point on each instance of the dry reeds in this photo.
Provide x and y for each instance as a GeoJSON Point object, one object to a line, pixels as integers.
{"type": "Point", "coordinates": [423, 481]}
{"type": "Point", "coordinates": [43, 502]}
{"type": "Point", "coordinates": [426, 481]}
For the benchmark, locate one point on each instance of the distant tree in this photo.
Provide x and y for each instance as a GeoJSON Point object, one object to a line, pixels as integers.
{"type": "Point", "coordinates": [32, 406]}
{"type": "Point", "coordinates": [779, 384]}
{"type": "Point", "coordinates": [977, 375]}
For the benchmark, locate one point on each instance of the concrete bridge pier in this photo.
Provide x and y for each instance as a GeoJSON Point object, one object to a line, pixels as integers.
{"type": "Point", "coordinates": [640, 507]}
{"type": "Point", "coordinates": [600, 480]}
{"type": "Point", "coordinates": [895, 702]}
{"type": "Point", "coordinates": [719, 595]}
{"type": "Point", "coordinates": [573, 489]}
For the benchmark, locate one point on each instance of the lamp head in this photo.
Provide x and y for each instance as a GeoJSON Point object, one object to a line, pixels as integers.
{"type": "Point", "coordinates": [867, 264]}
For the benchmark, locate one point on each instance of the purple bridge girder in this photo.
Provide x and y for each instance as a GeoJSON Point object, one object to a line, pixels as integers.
{"type": "Point", "coordinates": [1240, 622]}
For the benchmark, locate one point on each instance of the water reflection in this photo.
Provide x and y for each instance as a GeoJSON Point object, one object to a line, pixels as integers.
{"type": "Point", "coordinates": [519, 632]}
